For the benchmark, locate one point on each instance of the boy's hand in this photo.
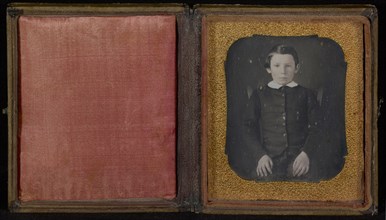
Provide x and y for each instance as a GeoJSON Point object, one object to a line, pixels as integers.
{"type": "Point", "coordinates": [264, 166]}
{"type": "Point", "coordinates": [301, 164]}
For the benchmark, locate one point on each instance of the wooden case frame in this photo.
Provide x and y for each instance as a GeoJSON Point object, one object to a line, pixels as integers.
{"type": "Point", "coordinates": [186, 85]}
{"type": "Point", "coordinates": [364, 14]}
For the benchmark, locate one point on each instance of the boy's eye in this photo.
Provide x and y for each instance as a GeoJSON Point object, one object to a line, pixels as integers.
{"type": "Point", "coordinates": [276, 65]}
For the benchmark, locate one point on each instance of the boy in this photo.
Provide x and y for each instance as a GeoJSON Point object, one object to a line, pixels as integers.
{"type": "Point", "coordinates": [287, 116]}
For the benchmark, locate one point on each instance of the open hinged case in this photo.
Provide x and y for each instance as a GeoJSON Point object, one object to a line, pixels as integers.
{"type": "Point", "coordinates": [138, 108]}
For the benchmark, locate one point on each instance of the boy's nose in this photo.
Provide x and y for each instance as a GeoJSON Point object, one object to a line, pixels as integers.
{"type": "Point", "coordinates": [282, 71]}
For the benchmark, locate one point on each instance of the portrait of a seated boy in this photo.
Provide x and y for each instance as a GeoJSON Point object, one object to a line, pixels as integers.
{"type": "Point", "coordinates": [279, 123]}
{"type": "Point", "coordinates": [288, 118]}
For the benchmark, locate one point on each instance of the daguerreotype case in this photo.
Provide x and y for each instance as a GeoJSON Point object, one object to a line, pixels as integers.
{"type": "Point", "coordinates": [213, 109]}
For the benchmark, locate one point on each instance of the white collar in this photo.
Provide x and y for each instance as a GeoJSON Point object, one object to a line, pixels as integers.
{"type": "Point", "coordinates": [275, 85]}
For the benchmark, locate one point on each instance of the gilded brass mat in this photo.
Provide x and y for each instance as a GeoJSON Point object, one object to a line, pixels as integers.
{"type": "Point", "coordinates": [223, 183]}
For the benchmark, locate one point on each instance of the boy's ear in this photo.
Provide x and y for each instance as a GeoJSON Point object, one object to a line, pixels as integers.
{"type": "Point", "coordinates": [268, 70]}
{"type": "Point", "coordinates": [297, 68]}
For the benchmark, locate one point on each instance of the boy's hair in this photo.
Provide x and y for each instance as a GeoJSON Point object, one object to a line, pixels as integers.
{"type": "Point", "coordinates": [281, 49]}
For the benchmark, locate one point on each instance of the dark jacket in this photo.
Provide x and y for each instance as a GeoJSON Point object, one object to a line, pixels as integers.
{"type": "Point", "coordinates": [274, 121]}
{"type": "Point", "coordinates": [288, 119]}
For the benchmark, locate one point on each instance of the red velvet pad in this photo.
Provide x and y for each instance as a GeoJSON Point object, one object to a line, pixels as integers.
{"type": "Point", "coordinates": [97, 107]}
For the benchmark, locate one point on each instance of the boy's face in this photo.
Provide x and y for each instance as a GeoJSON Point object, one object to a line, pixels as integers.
{"type": "Point", "coordinates": [283, 68]}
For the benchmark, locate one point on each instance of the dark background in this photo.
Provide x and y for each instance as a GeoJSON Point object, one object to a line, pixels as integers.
{"type": "Point", "coordinates": [4, 214]}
